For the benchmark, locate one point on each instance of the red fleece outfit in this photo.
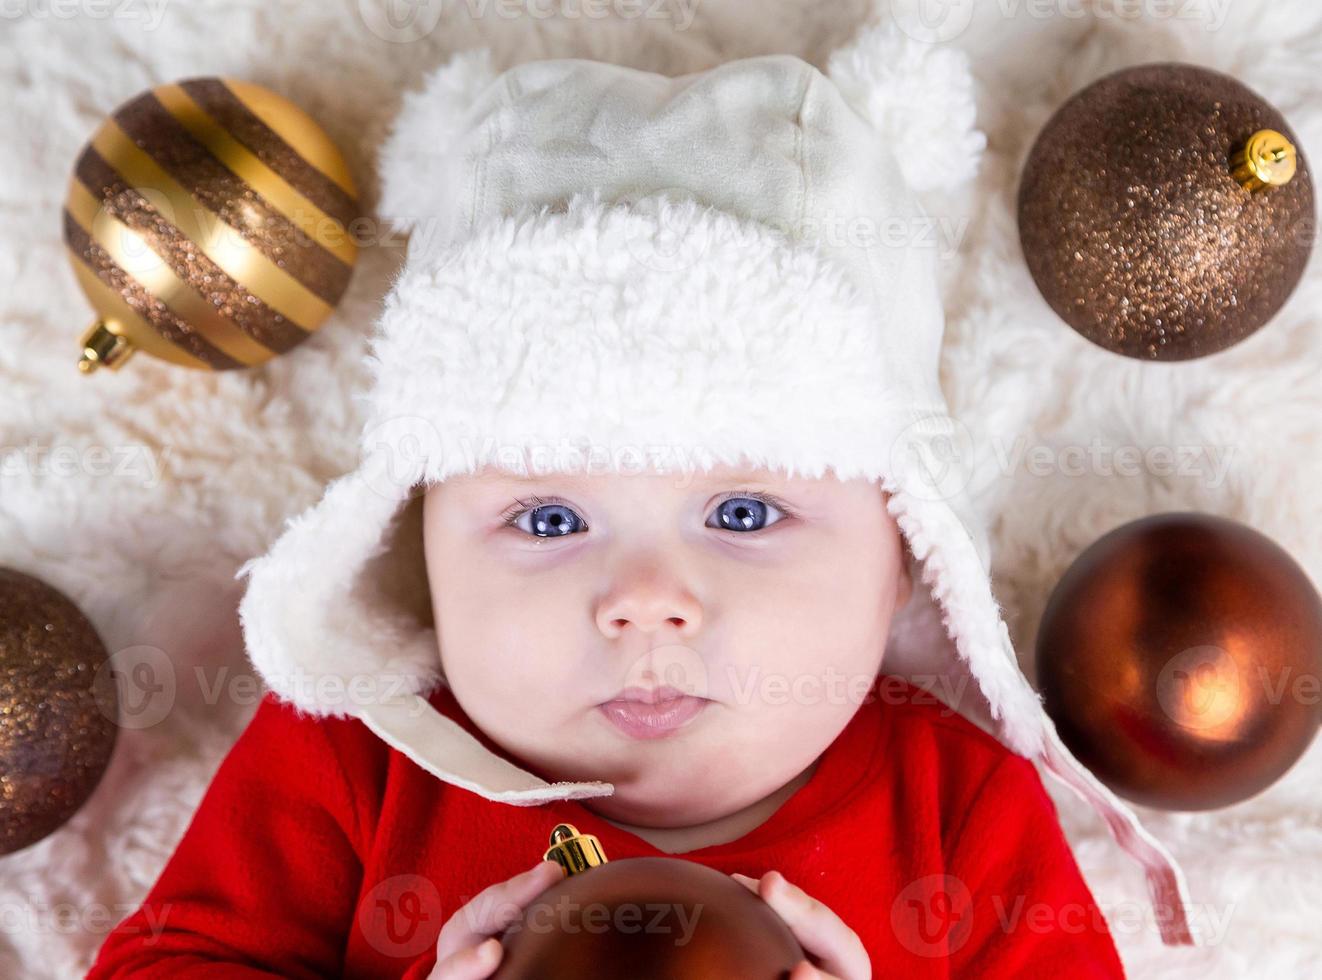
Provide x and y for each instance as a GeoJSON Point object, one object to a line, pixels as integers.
{"type": "Point", "coordinates": [318, 851]}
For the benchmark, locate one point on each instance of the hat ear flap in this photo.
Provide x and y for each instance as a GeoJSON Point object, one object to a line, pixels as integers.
{"type": "Point", "coordinates": [441, 746]}
{"type": "Point", "coordinates": [952, 630]}
{"type": "Point", "coordinates": [337, 613]}
{"type": "Point", "coordinates": [948, 539]}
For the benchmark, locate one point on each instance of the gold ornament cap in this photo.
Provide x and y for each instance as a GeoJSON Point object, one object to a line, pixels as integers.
{"type": "Point", "coordinates": [103, 346]}
{"type": "Point", "coordinates": [573, 851]}
{"type": "Point", "coordinates": [1267, 159]}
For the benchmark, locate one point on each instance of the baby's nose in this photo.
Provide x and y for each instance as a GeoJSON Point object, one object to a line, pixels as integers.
{"type": "Point", "coordinates": [649, 600]}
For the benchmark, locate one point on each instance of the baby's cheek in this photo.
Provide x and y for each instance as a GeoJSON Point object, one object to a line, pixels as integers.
{"type": "Point", "coordinates": [505, 675]}
{"type": "Point", "coordinates": [803, 651]}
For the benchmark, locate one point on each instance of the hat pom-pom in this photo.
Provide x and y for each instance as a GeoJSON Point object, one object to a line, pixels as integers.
{"type": "Point", "coordinates": [920, 98]}
{"type": "Point", "coordinates": [428, 121]}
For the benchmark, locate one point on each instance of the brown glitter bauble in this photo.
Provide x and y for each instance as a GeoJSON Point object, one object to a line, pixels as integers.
{"type": "Point", "coordinates": [1180, 658]}
{"type": "Point", "coordinates": [1135, 228]}
{"type": "Point", "coordinates": [209, 223]}
{"type": "Point", "coordinates": [57, 710]}
{"type": "Point", "coordinates": [645, 918]}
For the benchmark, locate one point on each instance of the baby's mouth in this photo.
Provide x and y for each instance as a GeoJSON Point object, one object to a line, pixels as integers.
{"type": "Point", "coordinates": [649, 713]}
{"type": "Point", "coordinates": [651, 695]}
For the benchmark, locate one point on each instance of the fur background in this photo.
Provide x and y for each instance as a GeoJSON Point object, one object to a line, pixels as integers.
{"type": "Point", "coordinates": [140, 493]}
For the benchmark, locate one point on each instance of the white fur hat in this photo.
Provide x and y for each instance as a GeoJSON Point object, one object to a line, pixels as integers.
{"type": "Point", "coordinates": [611, 268]}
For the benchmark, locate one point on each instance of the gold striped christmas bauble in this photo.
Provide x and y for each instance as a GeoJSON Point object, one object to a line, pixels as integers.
{"type": "Point", "coordinates": [210, 223]}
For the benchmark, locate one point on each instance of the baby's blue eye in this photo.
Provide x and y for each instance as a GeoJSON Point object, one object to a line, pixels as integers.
{"type": "Point", "coordinates": [743, 514]}
{"type": "Point", "coordinates": [553, 520]}
{"type": "Point", "coordinates": [550, 521]}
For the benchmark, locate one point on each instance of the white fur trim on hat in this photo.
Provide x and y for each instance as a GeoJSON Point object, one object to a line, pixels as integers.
{"type": "Point", "coordinates": [658, 329]}
{"type": "Point", "coordinates": [325, 635]}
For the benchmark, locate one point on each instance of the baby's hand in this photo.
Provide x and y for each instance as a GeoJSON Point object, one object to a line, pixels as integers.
{"type": "Point", "coordinates": [463, 951]}
{"type": "Point", "coordinates": [839, 952]}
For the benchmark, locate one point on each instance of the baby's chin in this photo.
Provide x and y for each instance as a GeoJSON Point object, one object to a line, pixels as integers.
{"type": "Point", "coordinates": [648, 803]}
{"type": "Point", "coordinates": [670, 789]}
{"type": "Point", "coordinates": [701, 773]}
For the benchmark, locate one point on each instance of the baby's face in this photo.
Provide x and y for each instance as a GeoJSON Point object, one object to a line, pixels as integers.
{"type": "Point", "coordinates": [770, 598]}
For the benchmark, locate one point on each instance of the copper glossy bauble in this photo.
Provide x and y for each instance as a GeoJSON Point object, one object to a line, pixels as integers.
{"type": "Point", "coordinates": [1180, 658]}
{"type": "Point", "coordinates": [644, 918]}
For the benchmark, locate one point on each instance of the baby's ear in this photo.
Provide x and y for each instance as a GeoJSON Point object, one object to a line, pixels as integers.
{"type": "Point", "coordinates": [428, 122]}
{"type": "Point", "coordinates": [399, 572]}
{"type": "Point", "coordinates": [909, 569]}
{"type": "Point", "coordinates": [905, 585]}
{"type": "Point", "coordinates": [919, 96]}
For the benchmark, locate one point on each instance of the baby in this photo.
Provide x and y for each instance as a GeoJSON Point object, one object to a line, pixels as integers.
{"type": "Point", "coordinates": [647, 537]}
{"type": "Point", "coordinates": [628, 628]}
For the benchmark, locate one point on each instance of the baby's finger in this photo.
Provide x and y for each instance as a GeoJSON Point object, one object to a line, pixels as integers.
{"type": "Point", "coordinates": [470, 963]}
{"type": "Point", "coordinates": [747, 882]}
{"type": "Point", "coordinates": [494, 908]}
{"type": "Point", "coordinates": [819, 931]}
{"type": "Point", "coordinates": [806, 971]}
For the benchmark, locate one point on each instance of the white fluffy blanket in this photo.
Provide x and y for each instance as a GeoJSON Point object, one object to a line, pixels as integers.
{"type": "Point", "coordinates": [202, 470]}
